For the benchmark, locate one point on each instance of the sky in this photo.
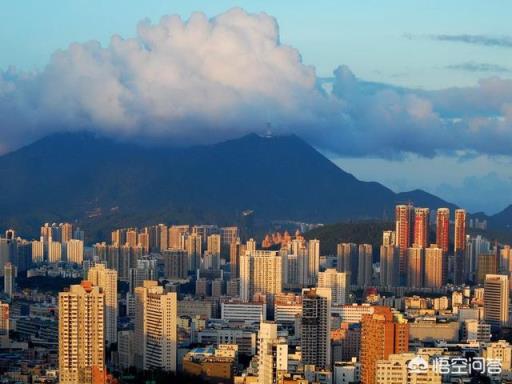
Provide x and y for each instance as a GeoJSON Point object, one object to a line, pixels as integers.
{"type": "Point", "coordinates": [419, 93]}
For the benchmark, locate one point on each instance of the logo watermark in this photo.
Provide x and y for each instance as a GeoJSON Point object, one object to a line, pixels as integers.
{"type": "Point", "coordinates": [455, 366]}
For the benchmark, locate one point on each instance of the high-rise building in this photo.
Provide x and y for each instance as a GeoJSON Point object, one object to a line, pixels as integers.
{"type": "Point", "coordinates": [175, 264]}
{"type": "Point", "coordinates": [24, 254]}
{"type": "Point", "coordinates": [347, 255]}
{"type": "Point", "coordinates": [250, 245]}
{"type": "Point", "coordinates": [415, 266]}
{"type": "Point", "coordinates": [236, 249]}
{"type": "Point", "coordinates": [313, 260]}
{"type": "Point", "coordinates": [389, 266]}
{"type": "Point", "coordinates": [132, 237]}
{"type": "Point", "coordinates": [499, 351]}
{"type": "Point", "coordinates": [316, 327]}
{"type": "Point", "coordinates": [112, 257]}
{"type": "Point", "coordinates": [421, 226]}
{"type": "Point", "coordinates": [396, 369]}
{"type": "Point", "coordinates": [388, 238]}
{"type": "Point", "coordinates": [213, 244]}
{"type": "Point", "coordinates": [459, 240]}
{"type": "Point", "coordinates": [300, 251]}
{"type": "Point", "coordinates": [126, 348]}
{"type": "Point", "coordinates": [404, 226]}
{"type": "Point", "coordinates": [99, 252]}
{"type": "Point", "coordinates": [146, 269]}
{"type": "Point", "coordinates": [260, 272]}
{"type": "Point", "coordinates": [78, 234]}
{"type": "Point", "coordinates": [475, 246]}
{"type": "Point", "coordinates": [162, 235]}
{"type": "Point", "coordinates": [175, 236]}
{"type": "Point", "coordinates": [81, 335]}
{"type": "Point", "coordinates": [54, 251]}
{"type": "Point", "coordinates": [434, 267]}
{"type": "Point", "coordinates": [119, 237]}
{"type": "Point", "coordinates": [505, 259]}
{"type": "Point", "coordinates": [106, 279]}
{"type": "Point", "coordinates": [486, 266]}
{"type": "Point", "coordinates": [158, 237]}
{"type": "Point", "coordinates": [272, 354]}
{"type": "Point", "coordinates": [8, 252]}
{"type": "Point", "coordinates": [443, 229]}
{"type": "Point", "coordinates": [338, 284]}
{"type": "Point", "coordinates": [365, 265]}
{"type": "Point", "coordinates": [37, 251]}
{"type": "Point", "coordinates": [128, 257]}
{"type": "Point", "coordinates": [75, 251]}
{"type": "Point", "coordinates": [156, 327]}
{"type": "Point", "coordinates": [459, 246]}
{"type": "Point", "coordinates": [49, 232]}
{"type": "Point", "coordinates": [194, 250]}
{"type": "Point", "coordinates": [382, 334]}
{"type": "Point", "coordinates": [228, 235]}
{"type": "Point", "coordinates": [496, 292]}
{"type": "Point", "coordinates": [218, 287]}
{"type": "Point", "coordinates": [66, 232]}
{"type": "Point", "coordinates": [210, 261]}
{"type": "Point", "coordinates": [4, 325]}
{"type": "Point", "coordinates": [9, 278]}
{"type": "Point", "coordinates": [204, 231]}
{"type": "Point", "coordinates": [143, 241]}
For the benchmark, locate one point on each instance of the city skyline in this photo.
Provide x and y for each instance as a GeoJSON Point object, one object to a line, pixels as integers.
{"type": "Point", "coordinates": [167, 300]}
{"type": "Point", "coordinates": [242, 192]}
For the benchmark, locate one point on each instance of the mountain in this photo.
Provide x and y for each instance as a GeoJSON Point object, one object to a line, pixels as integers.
{"type": "Point", "coordinates": [102, 183]}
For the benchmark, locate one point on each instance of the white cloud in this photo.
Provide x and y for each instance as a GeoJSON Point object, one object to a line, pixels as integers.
{"type": "Point", "coordinates": [204, 80]}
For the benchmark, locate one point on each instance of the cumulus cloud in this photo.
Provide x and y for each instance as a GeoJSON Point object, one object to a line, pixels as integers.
{"type": "Point", "coordinates": [390, 121]}
{"type": "Point", "coordinates": [203, 80]}
{"type": "Point", "coordinates": [188, 81]}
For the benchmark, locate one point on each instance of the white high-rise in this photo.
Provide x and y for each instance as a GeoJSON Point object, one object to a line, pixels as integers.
{"type": "Point", "coordinates": [75, 251]}
{"type": "Point", "coordinates": [434, 267]}
{"type": "Point", "coordinates": [106, 279]}
{"type": "Point", "coordinates": [156, 327]}
{"type": "Point", "coordinates": [337, 282]}
{"type": "Point", "coordinates": [272, 354]}
{"type": "Point", "coordinates": [313, 260]}
{"type": "Point", "coordinates": [81, 334]}
{"type": "Point", "coordinates": [260, 272]}
{"type": "Point", "coordinates": [38, 251]}
{"type": "Point", "coordinates": [213, 244]}
{"type": "Point", "coordinates": [54, 251]}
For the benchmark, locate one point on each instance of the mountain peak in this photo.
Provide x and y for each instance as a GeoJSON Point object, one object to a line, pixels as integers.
{"type": "Point", "coordinates": [65, 176]}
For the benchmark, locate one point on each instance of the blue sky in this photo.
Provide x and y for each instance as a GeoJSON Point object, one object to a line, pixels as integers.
{"type": "Point", "coordinates": [427, 45]}
{"type": "Point", "coordinates": [368, 36]}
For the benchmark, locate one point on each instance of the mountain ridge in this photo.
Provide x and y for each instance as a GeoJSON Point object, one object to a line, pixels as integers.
{"type": "Point", "coordinates": [102, 183]}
